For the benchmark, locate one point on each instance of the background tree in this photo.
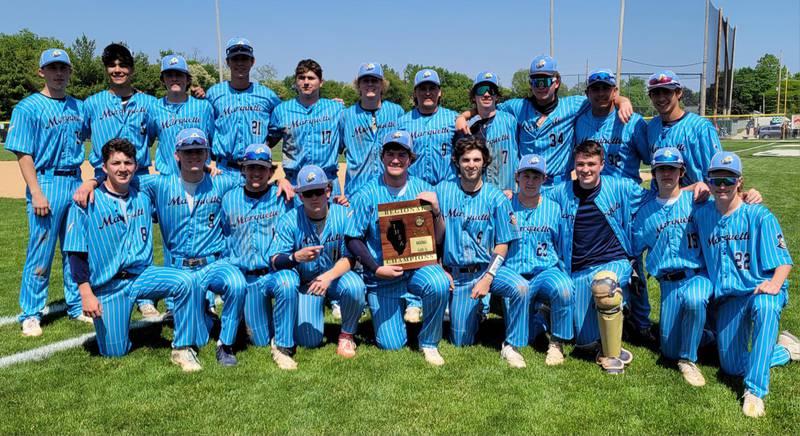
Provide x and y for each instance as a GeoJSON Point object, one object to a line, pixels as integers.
{"type": "Point", "coordinates": [18, 70]}
{"type": "Point", "coordinates": [88, 72]}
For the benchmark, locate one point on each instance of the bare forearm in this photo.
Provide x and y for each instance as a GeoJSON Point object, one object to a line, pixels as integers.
{"type": "Point", "coordinates": [28, 172]}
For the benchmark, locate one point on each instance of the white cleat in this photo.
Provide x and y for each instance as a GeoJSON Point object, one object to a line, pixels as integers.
{"type": "Point", "coordinates": [791, 343]}
{"type": "Point", "coordinates": [31, 327]}
{"type": "Point", "coordinates": [413, 315]}
{"type": "Point", "coordinates": [283, 359]}
{"type": "Point", "coordinates": [186, 358]}
{"type": "Point", "coordinates": [512, 356]}
{"type": "Point", "coordinates": [753, 406]}
{"type": "Point", "coordinates": [691, 373]}
{"type": "Point", "coordinates": [433, 357]}
{"type": "Point", "coordinates": [555, 354]}
{"type": "Point", "coordinates": [336, 312]}
{"type": "Point", "coordinates": [149, 311]}
{"type": "Point", "coordinates": [83, 318]}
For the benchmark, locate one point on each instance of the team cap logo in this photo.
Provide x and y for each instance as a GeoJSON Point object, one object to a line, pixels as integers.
{"type": "Point", "coordinates": [260, 150]}
{"type": "Point", "coordinates": [668, 153]}
{"type": "Point", "coordinates": [534, 160]}
{"type": "Point", "coordinates": [540, 64]}
{"type": "Point", "coordinates": [240, 42]}
{"type": "Point", "coordinates": [370, 66]}
{"type": "Point", "coordinates": [311, 177]}
{"type": "Point", "coordinates": [56, 53]}
{"type": "Point", "coordinates": [727, 160]}
{"type": "Point", "coordinates": [488, 76]}
{"type": "Point", "coordinates": [426, 74]}
{"type": "Point", "coordinates": [397, 134]}
{"type": "Point", "coordinates": [194, 135]}
{"type": "Point", "coordinates": [173, 61]}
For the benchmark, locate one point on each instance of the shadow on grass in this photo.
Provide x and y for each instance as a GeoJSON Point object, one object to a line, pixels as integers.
{"type": "Point", "coordinates": [145, 337]}
{"type": "Point", "coordinates": [53, 316]}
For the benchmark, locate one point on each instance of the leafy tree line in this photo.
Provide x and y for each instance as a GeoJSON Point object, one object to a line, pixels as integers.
{"type": "Point", "coordinates": [20, 55]}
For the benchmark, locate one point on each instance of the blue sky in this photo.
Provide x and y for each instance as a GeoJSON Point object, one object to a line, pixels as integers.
{"type": "Point", "coordinates": [467, 36]}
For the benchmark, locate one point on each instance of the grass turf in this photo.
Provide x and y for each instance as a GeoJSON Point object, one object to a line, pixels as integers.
{"type": "Point", "coordinates": [77, 391]}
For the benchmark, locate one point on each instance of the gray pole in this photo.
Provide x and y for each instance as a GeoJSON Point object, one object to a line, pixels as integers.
{"type": "Point", "coordinates": [219, 42]}
{"type": "Point", "coordinates": [619, 38]}
{"type": "Point", "coordinates": [780, 61]}
{"type": "Point", "coordinates": [705, 66]}
{"type": "Point", "coordinates": [552, 47]}
{"type": "Point", "coordinates": [730, 90]}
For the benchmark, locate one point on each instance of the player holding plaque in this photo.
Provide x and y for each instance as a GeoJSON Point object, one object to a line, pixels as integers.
{"type": "Point", "coordinates": [387, 283]}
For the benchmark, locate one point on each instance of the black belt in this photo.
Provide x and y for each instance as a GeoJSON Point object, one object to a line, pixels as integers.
{"type": "Point", "coordinates": [60, 172]}
{"type": "Point", "coordinates": [675, 276]}
{"type": "Point", "coordinates": [466, 269]}
{"type": "Point", "coordinates": [257, 272]}
{"type": "Point", "coordinates": [197, 261]}
{"type": "Point", "coordinates": [124, 275]}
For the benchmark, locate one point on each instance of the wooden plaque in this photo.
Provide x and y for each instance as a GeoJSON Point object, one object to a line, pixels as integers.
{"type": "Point", "coordinates": [407, 236]}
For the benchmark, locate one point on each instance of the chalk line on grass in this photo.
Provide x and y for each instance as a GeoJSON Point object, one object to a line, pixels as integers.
{"type": "Point", "coordinates": [52, 309]}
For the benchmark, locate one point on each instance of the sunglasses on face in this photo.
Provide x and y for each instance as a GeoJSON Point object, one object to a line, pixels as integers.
{"type": "Point", "coordinates": [313, 193]}
{"type": "Point", "coordinates": [541, 82]}
{"type": "Point", "coordinates": [723, 181]}
{"type": "Point", "coordinates": [482, 90]}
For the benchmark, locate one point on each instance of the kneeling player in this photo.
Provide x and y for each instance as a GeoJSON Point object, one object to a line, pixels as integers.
{"type": "Point", "coordinates": [110, 248]}
{"type": "Point", "coordinates": [310, 242]}
{"type": "Point", "coordinates": [748, 262]}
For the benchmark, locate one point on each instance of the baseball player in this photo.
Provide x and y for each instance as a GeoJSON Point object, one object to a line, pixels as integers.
{"type": "Point", "coordinates": [386, 284]}
{"type": "Point", "coordinates": [596, 248]}
{"type": "Point", "coordinates": [665, 226]}
{"type": "Point", "coordinates": [748, 263]}
{"type": "Point", "coordinates": [308, 126]}
{"type": "Point", "coordinates": [110, 248]}
{"type": "Point", "coordinates": [694, 136]}
{"type": "Point", "coordinates": [175, 112]}
{"type": "Point", "coordinates": [535, 254]}
{"type": "Point", "coordinates": [249, 216]}
{"type": "Point", "coordinates": [47, 133]}
{"type": "Point", "coordinates": [311, 243]}
{"type": "Point", "coordinates": [478, 225]}
{"type": "Point", "coordinates": [363, 126]}
{"type": "Point", "coordinates": [546, 121]}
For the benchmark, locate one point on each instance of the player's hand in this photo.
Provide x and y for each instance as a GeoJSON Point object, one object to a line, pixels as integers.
{"type": "Point", "coordinates": [40, 204]}
{"type": "Point", "coordinates": [91, 306]}
{"type": "Point", "coordinates": [509, 193]}
{"type": "Point", "coordinates": [767, 287]}
{"type": "Point", "coordinates": [450, 279]}
{"type": "Point", "coordinates": [341, 200]}
{"type": "Point", "coordinates": [462, 124]}
{"type": "Point", "coordinates": [285, 187]}
{"type": "Point", "coordinates": [388, 272]}
{"type": "Point", "coordinates": [85, 193]}
{"type": "Point", "coordinates": [308, 254]}
{"type": "Point", "coordinates": [431, 198]}
{"type": "Point", "coordinates": [482, 287]}
{"type": "Point", "coordinates": [624, 109]}
{"type": "Point", "coordinates": [752, 196]}
{"type": "Point", "coordinates": [701, 192]}
{"type": "Point", "coordinates": [338, 100]}
{"type": "Point", "coordinates": [213, 170]}
{"type": "Point", "coordinates": [197, 91]}
{"type": "Point", "coordinates": [320, 285]}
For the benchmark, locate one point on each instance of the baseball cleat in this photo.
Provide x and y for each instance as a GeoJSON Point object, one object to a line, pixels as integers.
{"type": "Point", "coordinates": [555, 354]}
{"type": "Point", "coordinates": [625, 356]}
{"type": "Point", "coordinates": [432, 356]}
{"type": "Point", "coordinates": [283, 358]}
{"type": "Point", "coordinates": [691, 373]}
{"type": "Point", "coordinates": [31, 327]}
{"type": "Point", "coordinates": [225, 355]}
{"type": "Point", "coordinates": [413, 315]}
{"type": "Point", "coordinates": [791, 343]}
{"type": "Point", "coordinates": [611, 365]}
{"type": "Point", "coordinates": [347, 346]}
{"type": "Point", "coordinates": [336, 312]}
{"type": "Point", "coordinates": [83, 318]}
{"type": "Point", "coordinates": [446, 316]}
{"type": "Point", "coordinates": [186, 358]}
{"type": "Point", "coordinates": [753, 406]}
{"type": "Point", "coordinates": [149, 310]}
{"type": "Point", "coordinates": [512, 356]}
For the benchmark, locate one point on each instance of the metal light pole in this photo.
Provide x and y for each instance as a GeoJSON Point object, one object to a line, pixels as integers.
{"type": "Point", "coordinates": [705, 66]}
{"type": "Point", "coordinates": [619, 38]}
{"type": "Point", "coordinates": [552, 48]}
{"type": "Point", "coordinates": [780, 70]}
{"type": "Point", "coordinates": [219, 42]}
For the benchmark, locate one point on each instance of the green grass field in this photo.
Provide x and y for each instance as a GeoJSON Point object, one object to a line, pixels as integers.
{"type": "Point", "coordinates": [78, 392]}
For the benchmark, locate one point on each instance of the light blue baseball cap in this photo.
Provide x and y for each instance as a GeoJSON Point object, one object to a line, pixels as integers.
{"type": "Point", "coordinates": [191, 139]}
{"type": "Point", "coordinates": [427, 75]}
{"type": "Point", "coordinates": [532, 162]}
{"type": "Point", "coordinates": [174, 62]}
{"type": "Point", "coordinates": [238, 45]}
{"type": "Point", "coordinates": [601, 76]}
{"type": "Point", "coordinates": [664, 79]}
{"type": "Point", "coordinates": [485, 77]}
{"type": "Point", "coordinates": [667, 157]}
{"type": "Point", "coordinates": [543, 64]}
{"type": "Point", "coordinates": [399, 137]}
{"type": "Point", "coordinates": [53, 55]}
{"type": "Point", "coordinates": [726, 160]}
{"type": "Point", "coordinates": [370, 69]}
{"type": "Point", "coordinates": [311, 177]}
{"type": "Point", "coordinates": [258, 154]}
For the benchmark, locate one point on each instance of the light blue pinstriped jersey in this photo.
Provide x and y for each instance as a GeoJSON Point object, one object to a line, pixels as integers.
{"type": "Point", "coordinates": [362, 218]}
{"type": "Point", "coordinates": [51, 131]}
{"type": "Point", "coordinates": [618, 200]}
{"type": "Point", "coordinates": [501, 139]}
{"type": "Point", "coordinates": [625, 145]}
{"type": "Point", "coordinates": [107, 118]}
{"type": "Point", "coordinates": [694, 136]}
{"type": "Point", "coordinates": [166, 119]}
{"type": "Point", "coordinates": [361, 146]}
{"type": "Point", "coordinates": [474, 224]}
{"type": "Point", "coordinates": [310, 134]}
{"type": "Point", "coordinates": [539, 235]}
{"type": "Point", "coordinates": [249, 225]}
{"type": "Point", "coordinates": [555, 138]}
{"type": "Point", "coordinates": [116, 237]}
{"type": "Point", "coordinates": [195, 233]}
{"type": "Point", "coordinates": [741, 250]}
{"type": "Point", "coordinates": [242, 118]}
{"type": "Point", "coordinates": [669, 234]}
{"type": "Point", "coordinates": [433, 143]}
{"type": "Point", "coordinates": [295, 231]}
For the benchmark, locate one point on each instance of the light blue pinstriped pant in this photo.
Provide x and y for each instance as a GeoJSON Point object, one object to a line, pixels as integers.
{"type": "Point", "coordinates": [348, 290]}
{"type": "Point", "coordinates": [43, 233]}
{"type": "Point", "coordinates": [429, 283]}
{"type": "Point", "coordinates": [738, 320]}
{"type": "Point", "coordinates": [555, 287]}
{"type": "Point", "coordinates": [585, 314]}
{"type": "Point", "coordinates": [117, 299]}
{"type": "Point", "coordinates": [226, 280]}
{"type": "Point", "coordinates": [683, 315]}
{"type": "Point", "coordinates": [266, 320]}
{"type": "Point", "coordinates": [464, 309]}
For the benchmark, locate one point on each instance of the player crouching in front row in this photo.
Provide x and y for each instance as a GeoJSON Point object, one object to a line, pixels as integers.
{"type": "Point", "coordinates": [110, 248]}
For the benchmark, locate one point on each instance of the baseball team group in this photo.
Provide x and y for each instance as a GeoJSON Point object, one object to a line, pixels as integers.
{"type": "Point", "coordinates": [535, 201]}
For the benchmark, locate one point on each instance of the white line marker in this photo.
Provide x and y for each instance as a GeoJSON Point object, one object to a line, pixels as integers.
{"type": "Point", "coordinates": [48, 310]}
{"type": "Point", "coordinates": [756, 147]}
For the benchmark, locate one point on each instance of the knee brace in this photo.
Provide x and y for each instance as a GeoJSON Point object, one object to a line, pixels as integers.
{"type": "Point", "coordinates": [608, 302]}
